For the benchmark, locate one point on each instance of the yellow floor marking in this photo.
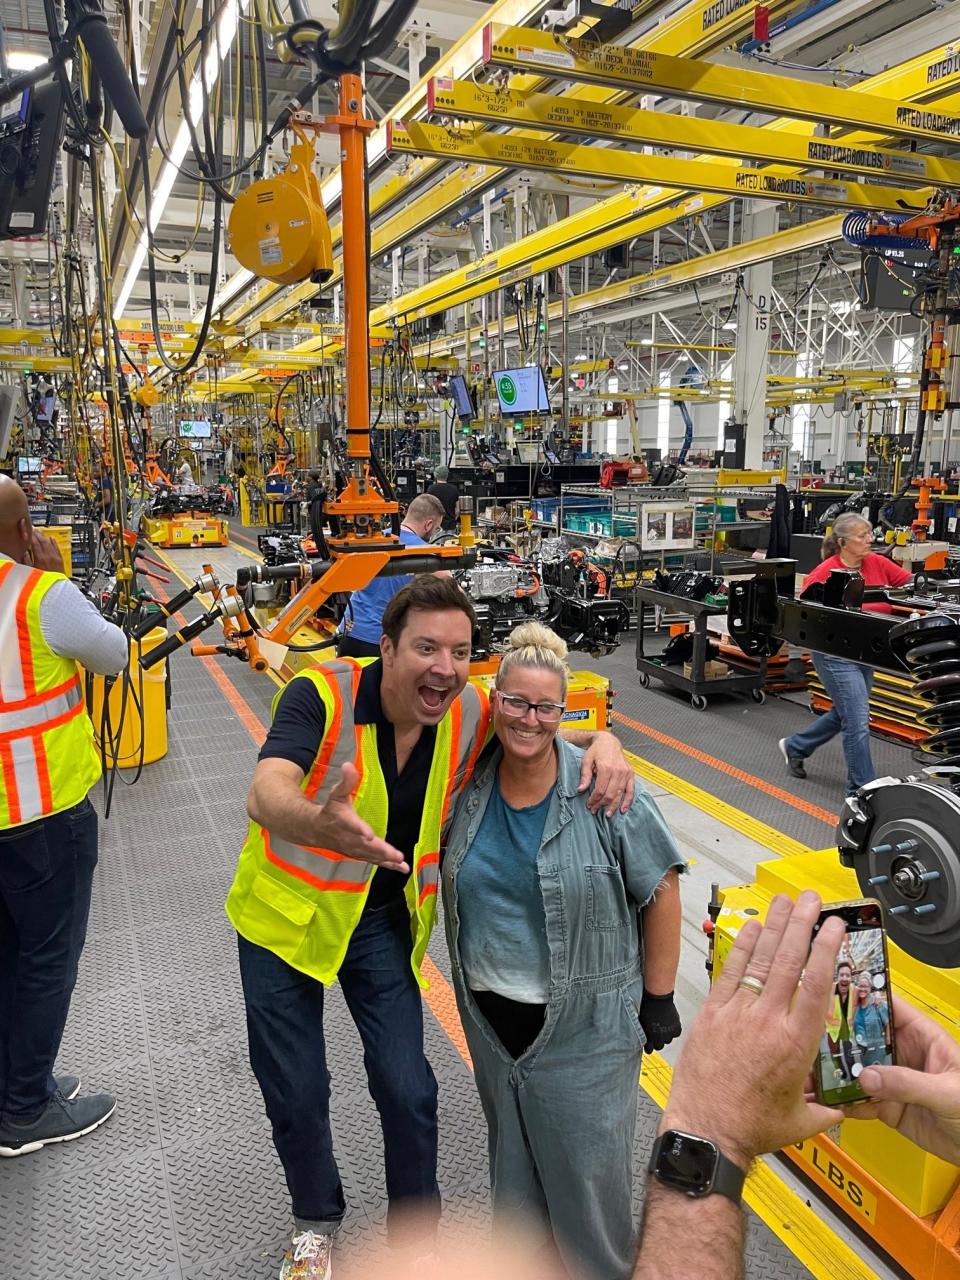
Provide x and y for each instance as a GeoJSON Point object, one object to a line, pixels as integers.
{"type": "Point", "coordinates": [792, 1221]}
{"type": "Point", "coordinates": [252, 555]}
{"type": "Point", "coordinates": [783, 846]}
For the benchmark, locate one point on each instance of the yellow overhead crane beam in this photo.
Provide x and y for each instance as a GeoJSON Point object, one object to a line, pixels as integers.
{"type": "Point", "coordinates": [809, 235]}
{"type": "Point", "coordinates": [618, 66]}
{"type": "Point", "coordinates": [466, 100]}
{"type": "Point", "coordinates": [631, 166]}
{"type": "Point", "coordinates": [624, 216]}
{"type": "Point", "coordinates": [923, 78]}
{"type": "Point", "coordinates": [695, 29]}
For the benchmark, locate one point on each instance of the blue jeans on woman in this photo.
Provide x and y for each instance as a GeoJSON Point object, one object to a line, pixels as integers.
{"type": "Point", "coordinates": [289, 1058]}
{"type": "Point", "coordinates": [848, 684]}
{"type": "Point", "coordinates": [46, 878]}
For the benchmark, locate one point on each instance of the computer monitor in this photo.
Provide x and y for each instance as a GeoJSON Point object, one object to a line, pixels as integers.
{"type": "Point", "coordinates": [522, 390]}
{"type": "Point", "coordinates": [197, 429]}
{"type": "Point", "coordinates": [892, 278]}
{"type": "Point", "coordinates": [28, 466]}
{"type": "Point", "coordinates": [31, 131]}
{"type": "Point", "coordinates": [460, 393]}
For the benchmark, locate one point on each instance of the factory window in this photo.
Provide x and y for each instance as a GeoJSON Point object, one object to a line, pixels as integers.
{"type": "Point", "coordinates": [663, 415]}
{"type": "Point", "coordinates": [725, 407]}
{"type": "Point", "coordinates": [801, 412]}
{"type": "Point", "coordinates": [903, 350]}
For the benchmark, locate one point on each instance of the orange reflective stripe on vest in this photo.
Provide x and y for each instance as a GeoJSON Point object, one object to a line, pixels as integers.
{"type": "Point", "coordinates": [48, 762]}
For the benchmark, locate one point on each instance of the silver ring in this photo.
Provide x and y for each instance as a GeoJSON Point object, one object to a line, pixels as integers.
{"type": "Point", "coordinates": [751, 984]}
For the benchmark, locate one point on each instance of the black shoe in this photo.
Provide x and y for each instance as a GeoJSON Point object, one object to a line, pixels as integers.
{"type": "Point", "coordinates": [60, 1121]}
{"type": "Point", "coordinates": [794, 763]}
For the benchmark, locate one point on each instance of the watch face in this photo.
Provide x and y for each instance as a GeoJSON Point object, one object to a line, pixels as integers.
{"type": "Point", "coordinates": [686, 1162]}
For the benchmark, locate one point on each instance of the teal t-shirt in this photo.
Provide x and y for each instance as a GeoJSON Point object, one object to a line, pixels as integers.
{"type": "Point", "coordinates": [503, 929]}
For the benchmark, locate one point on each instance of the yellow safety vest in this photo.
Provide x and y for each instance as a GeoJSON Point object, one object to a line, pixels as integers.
{"type": "Point", "coordinates": [48, 761]}
{"type": "Point", "coordinates": [304, 903]}
{"type": "Point", "coordinates": [835, 1014]}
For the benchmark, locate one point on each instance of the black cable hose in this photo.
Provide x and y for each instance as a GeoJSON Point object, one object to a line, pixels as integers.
{"type": "Point", "coordinates": [194, 356]}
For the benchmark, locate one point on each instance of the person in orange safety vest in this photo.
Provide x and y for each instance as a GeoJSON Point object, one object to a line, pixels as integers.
{"type": "Point", "coordinates": [48, 827]}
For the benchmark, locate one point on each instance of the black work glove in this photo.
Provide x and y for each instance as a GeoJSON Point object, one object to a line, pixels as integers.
{"type": "Point", "coordinates": [660, 1021]}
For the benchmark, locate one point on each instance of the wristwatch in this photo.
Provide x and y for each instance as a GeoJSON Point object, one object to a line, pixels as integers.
{"type": "Point", "coordinates": [695, 1166]}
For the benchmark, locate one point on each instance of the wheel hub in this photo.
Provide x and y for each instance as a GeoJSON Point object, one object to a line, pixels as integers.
{"type": "Point", "coordinates": [901, 838]}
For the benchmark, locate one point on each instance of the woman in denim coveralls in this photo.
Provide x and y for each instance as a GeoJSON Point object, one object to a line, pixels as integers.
{"type": "Point", "coordinates": [564, 934]}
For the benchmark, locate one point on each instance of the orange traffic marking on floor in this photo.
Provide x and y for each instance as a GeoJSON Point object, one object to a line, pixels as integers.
{"type": "Point", "coordinates": [786, 797]}
{"type": "Point", "coordinates": [252, 723]}
{"type": "Point", "coordinates": [443, 1006]}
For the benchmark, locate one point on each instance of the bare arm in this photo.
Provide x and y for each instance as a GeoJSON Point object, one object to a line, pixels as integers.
{"type": "Point", "coordinates": [661, 937]}
{"type": "Point", "coordinates": [276, 802]}
{"type": "Point", "coordinates": [687, 1239]}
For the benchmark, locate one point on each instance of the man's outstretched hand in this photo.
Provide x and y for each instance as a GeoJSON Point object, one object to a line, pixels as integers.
{"type": "Point", "coordinates": [340, 827]}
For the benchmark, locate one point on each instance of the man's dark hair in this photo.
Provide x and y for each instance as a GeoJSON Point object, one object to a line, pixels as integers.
{"type": "Point", "coordinates": [428, 593]}
{"type": "Point", "coordinates": [845, 964]}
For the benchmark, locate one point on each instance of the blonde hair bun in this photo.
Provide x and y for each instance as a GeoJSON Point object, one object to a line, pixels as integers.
{"type": "Point", "coordinates": [534, 645]}
{"type": "Point", "coordinates": [534, 635]}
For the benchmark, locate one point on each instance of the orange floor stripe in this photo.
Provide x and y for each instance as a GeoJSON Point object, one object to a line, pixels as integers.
{"type": "Point", "coordinates": [786, 797]}
{"type": "Point", "coordinates": [443, 1006]}
{"type": "Point", "coordinates": [252, 723]}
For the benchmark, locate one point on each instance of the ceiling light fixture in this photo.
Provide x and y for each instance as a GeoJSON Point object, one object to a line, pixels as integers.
{"type": "Point", "coordinates": [216, 57]}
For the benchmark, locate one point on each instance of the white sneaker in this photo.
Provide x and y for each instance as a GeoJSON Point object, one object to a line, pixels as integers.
{"type": "Point", "coordinates": [308, 1258]}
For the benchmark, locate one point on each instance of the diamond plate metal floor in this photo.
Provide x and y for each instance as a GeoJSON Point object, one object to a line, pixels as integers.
{"type": "Point", "coordinates": [183, 1183]}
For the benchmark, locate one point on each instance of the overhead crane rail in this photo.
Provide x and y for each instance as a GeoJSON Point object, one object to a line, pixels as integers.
{"type": "Point", "coordinates": [695, 29]}
{"type": "Point", "coordinates": [627, 166]}
{"type": "Point", "coordinates": [492, 106]}
{"type": "Point", "coordinates": [640, 70]}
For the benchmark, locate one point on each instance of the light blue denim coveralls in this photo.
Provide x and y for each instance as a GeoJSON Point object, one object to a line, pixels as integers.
{"type": "Point", "coordinates": [561, 1117]}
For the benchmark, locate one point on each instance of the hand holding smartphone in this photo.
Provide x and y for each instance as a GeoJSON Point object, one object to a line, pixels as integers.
{"type": "Point", "coordinates": [859, 1024]}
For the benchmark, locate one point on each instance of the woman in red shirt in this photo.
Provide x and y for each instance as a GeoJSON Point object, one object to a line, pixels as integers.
{"type": "Point", "coordinates": [848, 683]}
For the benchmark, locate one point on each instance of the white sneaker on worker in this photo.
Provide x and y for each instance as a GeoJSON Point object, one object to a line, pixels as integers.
{"type": "Point", "coordinates": [308, 1258]}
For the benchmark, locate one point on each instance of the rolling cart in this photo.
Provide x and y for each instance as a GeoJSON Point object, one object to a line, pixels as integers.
{"type": "Point", "coordinates": [696, 684]}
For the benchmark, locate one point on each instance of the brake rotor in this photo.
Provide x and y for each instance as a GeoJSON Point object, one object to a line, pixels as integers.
{"type": "Point", "coordinates": [901, 839]}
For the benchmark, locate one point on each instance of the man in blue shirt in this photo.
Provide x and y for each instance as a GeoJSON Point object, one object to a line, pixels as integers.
{"type": "Point", "coordinates": [362, 623]}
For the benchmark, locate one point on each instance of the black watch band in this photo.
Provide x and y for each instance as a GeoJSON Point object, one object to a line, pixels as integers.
{"type": "Point", "coordinates": [695, 1166]}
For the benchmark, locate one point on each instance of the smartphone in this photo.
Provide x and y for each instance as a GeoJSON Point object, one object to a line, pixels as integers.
{"type": "Point", "coordinates": [859, 1025]}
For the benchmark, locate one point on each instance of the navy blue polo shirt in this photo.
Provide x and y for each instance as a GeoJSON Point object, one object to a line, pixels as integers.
{"type": "Point", "coordinates": [297, 732]}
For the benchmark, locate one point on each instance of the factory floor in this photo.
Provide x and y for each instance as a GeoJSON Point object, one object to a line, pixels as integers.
{"type": "Point", "coordinates": [183, 1182]}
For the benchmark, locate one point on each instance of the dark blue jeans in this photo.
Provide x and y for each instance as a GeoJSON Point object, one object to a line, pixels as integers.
{"type": "Point", "coordinates": [288, 1056]}
{"type": "Point", "coordinates": [848, 684]}
{"type": "Point", "coordinates": [46, 876]}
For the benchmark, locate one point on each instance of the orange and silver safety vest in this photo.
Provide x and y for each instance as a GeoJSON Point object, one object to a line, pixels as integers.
{"type": "Point", "coordinates": [48, 761]}
{"type": "Point", "coordinates": [304, 903]}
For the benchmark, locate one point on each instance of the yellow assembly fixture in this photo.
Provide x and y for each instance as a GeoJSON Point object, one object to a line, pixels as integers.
{"type": "Point", "coordinates": [278, 226]}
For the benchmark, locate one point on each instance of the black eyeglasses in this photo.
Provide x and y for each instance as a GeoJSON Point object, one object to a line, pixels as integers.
{"type": "Point", "coordinates": [517, 708]}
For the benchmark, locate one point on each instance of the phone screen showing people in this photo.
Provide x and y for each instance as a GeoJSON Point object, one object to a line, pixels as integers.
{"type": "Point", "coordinates": [859, 1026]}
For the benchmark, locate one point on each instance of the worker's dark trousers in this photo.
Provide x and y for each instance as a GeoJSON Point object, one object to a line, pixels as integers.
{"type": "Point", "coordinates": [288, 1054]}
{"type": "Point", "coordinates": [46, 876]}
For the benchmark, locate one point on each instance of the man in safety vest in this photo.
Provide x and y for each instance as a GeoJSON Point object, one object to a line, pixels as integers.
{"type": "Point", "coordinates": [839, 1034]}
{"type": "Point", "coordinates": [338, 880]}
{"type": "Point", "coordinates": [48, 827]}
